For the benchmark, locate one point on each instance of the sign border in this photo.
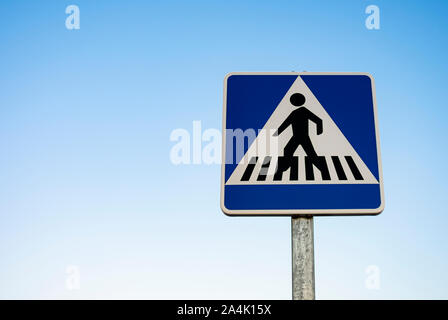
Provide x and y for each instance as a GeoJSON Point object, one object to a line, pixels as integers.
{"type": "Point", "coordinates": [301, 212]}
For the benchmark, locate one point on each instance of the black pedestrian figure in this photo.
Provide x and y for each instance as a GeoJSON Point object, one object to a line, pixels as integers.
{"type": "Point", "coordinates": [299, 121]}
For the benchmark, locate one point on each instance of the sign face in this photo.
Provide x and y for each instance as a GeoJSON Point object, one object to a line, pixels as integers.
{"type": "Point", "coordinates": [300, 143]}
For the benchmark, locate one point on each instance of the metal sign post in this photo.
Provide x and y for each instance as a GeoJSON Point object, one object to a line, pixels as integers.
{"type": "Point", "coordinates": [302, 234]}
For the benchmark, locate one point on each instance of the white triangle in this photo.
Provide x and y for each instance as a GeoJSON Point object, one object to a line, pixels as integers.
{"type": "Point", "coordinates": [331, 142]}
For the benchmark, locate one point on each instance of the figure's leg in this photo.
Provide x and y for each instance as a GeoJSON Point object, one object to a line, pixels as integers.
{"type": "Point", "coordinates": [308, 148]}
{"type": "Point", "coordinates": [285, 163]}
{"type": "Point", "coordinates": [291, 147]}
{"type": "Point", "coordinates": [313, 158]}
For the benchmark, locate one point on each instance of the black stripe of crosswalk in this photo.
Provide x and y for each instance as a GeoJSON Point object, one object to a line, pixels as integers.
{"type": "Point", "coordinates": [353, 168]}
{"type": "Point", "coordinates": [339, 169]}
{"type": "Point", "coordinates": [292, 164]}
{"type": "Point", "coordinates": [264, 169]}
{"type": "Point", "coordinates": [320, 163]}
{"type": "Point", "coordinates": [250, 168]}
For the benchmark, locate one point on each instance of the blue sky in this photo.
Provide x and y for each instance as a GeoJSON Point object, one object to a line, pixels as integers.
{"type": "Point", "coordinates": [86, 178]}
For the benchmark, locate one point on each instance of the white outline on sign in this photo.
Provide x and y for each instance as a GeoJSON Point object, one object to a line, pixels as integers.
{"type": "Point", "coordinates": [321, 212]}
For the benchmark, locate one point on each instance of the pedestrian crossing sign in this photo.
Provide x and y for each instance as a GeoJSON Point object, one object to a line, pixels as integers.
{"type": "Point", "coordinates": [300, 144]}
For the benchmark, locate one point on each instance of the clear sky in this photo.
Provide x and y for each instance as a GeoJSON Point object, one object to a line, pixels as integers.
{"type": "Point", "coordinates": [86, 181]}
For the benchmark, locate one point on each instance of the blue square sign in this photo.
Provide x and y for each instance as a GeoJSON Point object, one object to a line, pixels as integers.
{"type": "Point", "coordinates": [300, 143]}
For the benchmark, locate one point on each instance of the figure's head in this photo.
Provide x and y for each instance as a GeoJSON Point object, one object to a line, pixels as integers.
{"type": "Point", "coordinates": [297, 99]}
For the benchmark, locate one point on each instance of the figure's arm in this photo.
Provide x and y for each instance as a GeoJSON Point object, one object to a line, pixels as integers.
{"type": "Point", "coordinates": [284, 125]}
{"type": "Point", "coordinates": [317, 121]}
